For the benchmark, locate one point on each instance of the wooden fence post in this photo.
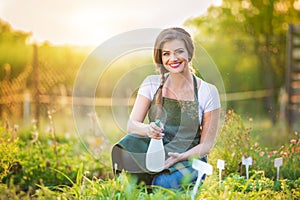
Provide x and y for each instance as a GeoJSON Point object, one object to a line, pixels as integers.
{"type": "Point", "coordinates": [293, 77]}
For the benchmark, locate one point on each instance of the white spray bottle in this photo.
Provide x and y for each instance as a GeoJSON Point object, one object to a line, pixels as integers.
{"type": "Point", "coordinates": [155, 156]}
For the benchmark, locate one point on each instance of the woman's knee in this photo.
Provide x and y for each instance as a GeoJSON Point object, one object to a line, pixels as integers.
{"type": "Point", "coordinates": [176, 179]}
{"type": "Point", "coordinates": [172, 180]}
{"type": "Point", "coordinates": [164, 180]}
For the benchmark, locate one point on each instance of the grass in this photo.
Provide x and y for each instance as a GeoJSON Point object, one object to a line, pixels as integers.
{"type": "Point", "coordinates": [233, 187]}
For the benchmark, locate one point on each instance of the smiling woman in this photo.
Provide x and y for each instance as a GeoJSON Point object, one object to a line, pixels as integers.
{"type": "Point", "coordinates": [187, 110]}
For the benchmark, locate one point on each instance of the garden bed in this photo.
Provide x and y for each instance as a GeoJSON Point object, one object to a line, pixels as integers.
{"type": "Point", "coordinates": [48, 166]}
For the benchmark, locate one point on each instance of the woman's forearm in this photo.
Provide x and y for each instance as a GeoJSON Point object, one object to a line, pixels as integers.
{"type": "Point", "coordinates": [138, 128]}
{"type": "Point", "coordinates": [198, 151]}
{"type": "Point", "coordinates": [139, 111]}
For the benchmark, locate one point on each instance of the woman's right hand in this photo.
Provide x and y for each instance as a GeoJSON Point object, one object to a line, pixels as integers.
{"type": "Point", "coordinates": [155, 131]}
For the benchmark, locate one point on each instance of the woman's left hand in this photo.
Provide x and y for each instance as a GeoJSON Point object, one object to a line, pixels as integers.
{"type": "Point", "coordinates": [174, 158]}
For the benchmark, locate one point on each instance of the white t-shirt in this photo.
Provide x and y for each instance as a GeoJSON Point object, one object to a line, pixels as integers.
{"type": "Point", "coordinates": [208, 95]}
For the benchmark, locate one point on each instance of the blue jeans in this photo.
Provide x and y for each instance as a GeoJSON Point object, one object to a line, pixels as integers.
{"type": "Point", "coordinates": [176, 179]}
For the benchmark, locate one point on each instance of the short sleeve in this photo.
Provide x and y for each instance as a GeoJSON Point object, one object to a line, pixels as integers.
{"type": "Point", "coordinates": [149, 86]}
{"type": "Point", "coordinates": [213, 101]}
{"type": "Point", "coordinates": [208, 97]}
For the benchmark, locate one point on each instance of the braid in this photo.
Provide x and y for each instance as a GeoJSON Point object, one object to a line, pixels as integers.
{"type": "Point", "coordinates": [159, 98]}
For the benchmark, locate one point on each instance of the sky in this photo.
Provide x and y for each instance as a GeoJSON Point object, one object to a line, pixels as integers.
{"type": "Point", "coordinates": [91, 22]}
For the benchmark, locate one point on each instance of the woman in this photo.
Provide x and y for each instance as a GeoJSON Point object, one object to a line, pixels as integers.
{"type": "Point", "coordinates": [187, 106]}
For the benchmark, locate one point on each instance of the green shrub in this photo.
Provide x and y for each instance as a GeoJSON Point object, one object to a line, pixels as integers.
{"type": "Point", "coordinates": [235, 140]}
{"type": "Point", "coordinates": [290, 152]}
{"type": "Point", "coordinates": [8, 151]}
{"type": "Point", "coordinates": [29, 163]}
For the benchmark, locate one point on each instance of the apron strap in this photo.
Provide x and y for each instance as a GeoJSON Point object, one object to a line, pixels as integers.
{"type": "Point", "coordinates": [195, 88]}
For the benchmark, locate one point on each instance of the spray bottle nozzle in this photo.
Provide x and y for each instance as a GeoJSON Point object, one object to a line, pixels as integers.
{"type": "Point", "coordinates": [157, 122]}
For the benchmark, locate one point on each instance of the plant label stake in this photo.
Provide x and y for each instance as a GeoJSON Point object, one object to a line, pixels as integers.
{"type": "Point", "coordinates": [247, 161]}
{"type": "Point", "coordinates": [202, 168]}
{"type": "Point", "coordinates": [278, 164]}
{"type": "Point", "coordinates": [155, 156]}
{"type": "Point", "coordinates": [220, 166]}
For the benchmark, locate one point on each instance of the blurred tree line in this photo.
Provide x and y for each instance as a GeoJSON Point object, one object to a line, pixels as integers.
{"type": "Point", "coordinates": [247, 40]}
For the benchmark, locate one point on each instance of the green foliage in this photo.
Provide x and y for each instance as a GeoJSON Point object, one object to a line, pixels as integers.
{"type": "Point", "coordinates": [236, 140]}
{"type": "Point", "coordinates": [125, 187]}
{"type": "Point", "coordinates": [48, 171]}
{"type": "Point", "coordinates": [50, 162]}
{"type": "Point", "coordinates": [8, 150]}
{"type": "Point", "coordinates": [259, 187]}
{"type": "Point", "coordinates": [13, 49]}
{"type": "Point", "coordinates": [247, 41]}
{"type": "Point", "coordinates": [233, 142]}
{"type": "Point", "coordinates": [36, 167]}
{"type": "Point", "coordinates": [290, 152]}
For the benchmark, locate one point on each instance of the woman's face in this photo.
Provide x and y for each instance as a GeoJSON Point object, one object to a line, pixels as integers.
{"type": "Point", "coordinates": [175, 56]}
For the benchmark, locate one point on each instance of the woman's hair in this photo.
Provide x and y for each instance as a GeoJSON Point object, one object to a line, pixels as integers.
{"type": "Point", "coordinates": [164, 36]}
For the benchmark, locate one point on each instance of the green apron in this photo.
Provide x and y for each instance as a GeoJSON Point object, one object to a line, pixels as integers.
{"type": "Point", "coordinates": [181, 128]}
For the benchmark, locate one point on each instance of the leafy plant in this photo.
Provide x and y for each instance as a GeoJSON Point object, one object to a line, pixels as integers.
{"type": "Point", "coordinates": [38, 169]}
{"type": "Point", "coordinates": [34, 162]}
{"type": "Point", "coordinates": [235, 140]}
{"type": "Point", "coordinates": [232, 144]}
{"type": "Point", "coordinates": [290, 152]}
{"type": "Point", "coordinates": [8, 150]}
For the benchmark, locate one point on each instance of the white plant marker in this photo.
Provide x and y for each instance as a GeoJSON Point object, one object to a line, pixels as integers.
{"type": "Point", "coordinates": [247, 161]}
{"type": "Point", "coordinates": [220, 166]}
{"type": "Point", "coordinates": [278, 164]}
{"type": "Point", "coordinates": [202, 168]}
{"type": "Point", "coordinates": [155, 156]}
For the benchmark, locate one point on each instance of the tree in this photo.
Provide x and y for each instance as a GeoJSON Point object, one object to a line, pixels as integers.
{"type": "Point", "coordinates": [259, 27]}
{"type": "Point", "coordinates": [13, 50]}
